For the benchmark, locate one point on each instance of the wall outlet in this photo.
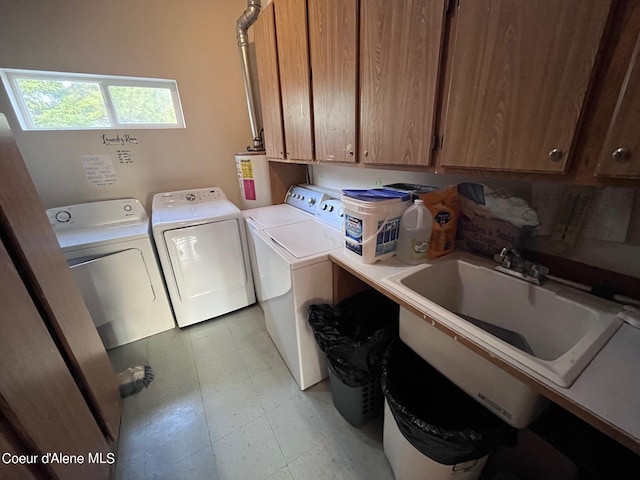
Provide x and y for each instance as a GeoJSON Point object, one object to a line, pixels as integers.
{"type": "Point", "coordinates": [378, 182]}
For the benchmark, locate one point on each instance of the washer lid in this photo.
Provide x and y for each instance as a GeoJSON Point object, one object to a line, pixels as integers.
{"type": "Point", "coordinates": [275, 215]}
{"type": "Point", "coordinates": [306, 239]}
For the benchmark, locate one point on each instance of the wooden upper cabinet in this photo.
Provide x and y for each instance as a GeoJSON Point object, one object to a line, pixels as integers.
{"type": "Point", "coordinates": [400, 61]}
{"type": "Point", "coordinates": [333, 45]}
{"type": "Point", "coordinates": [295, 80]}
{"type": "Point", "coordinates": [620, 155]}
{"type": "Point", "coordinates": [520, 74]}
{"type": "Point", "coordinates": [264, 34]}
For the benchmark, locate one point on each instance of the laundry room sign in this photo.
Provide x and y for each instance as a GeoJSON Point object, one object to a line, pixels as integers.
{"type": "Point", "coordinates": [125, 139]}
{"type": "Point", "coordinates": [99, 170]}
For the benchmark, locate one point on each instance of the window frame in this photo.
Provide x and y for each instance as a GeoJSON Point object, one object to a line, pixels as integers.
{"type": "Point", "coordinates": [9, 75]}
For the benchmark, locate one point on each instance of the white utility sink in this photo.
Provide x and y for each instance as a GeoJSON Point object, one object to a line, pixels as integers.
{"type": "Point", "coordinates": [551, 331]}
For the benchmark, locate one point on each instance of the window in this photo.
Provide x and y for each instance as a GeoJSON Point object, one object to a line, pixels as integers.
{"type": "Point", "coordinates": [70, 101]}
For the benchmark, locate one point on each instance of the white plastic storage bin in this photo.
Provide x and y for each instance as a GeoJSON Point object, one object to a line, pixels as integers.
{"type": "Point", "coordinates": [371, 227]}
{"type": "Point", "coordinates": [408, 463]}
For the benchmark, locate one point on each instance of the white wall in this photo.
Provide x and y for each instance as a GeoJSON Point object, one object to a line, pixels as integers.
{"type": "Point", "coordinates": [191, 41]}
{"type": "Point", "coordinates": [618, 257]}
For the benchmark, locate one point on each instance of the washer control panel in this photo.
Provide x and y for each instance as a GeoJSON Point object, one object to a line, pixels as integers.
{"type": "Point", "coordinates": [186, 197]}
{"type": "Point", "coordinates": [304, 199]}
{"type": "Point", "coordinates": [331, 212]}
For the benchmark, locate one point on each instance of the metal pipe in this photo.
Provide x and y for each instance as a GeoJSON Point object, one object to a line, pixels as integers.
{"type": "Point", "coordinates": [247, 19]}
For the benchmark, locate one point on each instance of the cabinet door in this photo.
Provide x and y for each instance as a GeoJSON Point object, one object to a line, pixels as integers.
{"type": "Point", "coordinates": [295, 80]}
{"type": "Point", "coordinates": [400, 58]}
{"type": "Point", "coordinates": [11, 443]}
{"type": "Point", "coordinates": [39, 398]}
{"type": "Point", "coordinates": [520, 73]}
{"type": "Point", "coordinates": [620, 156]}
{"type": "Point", "coordinates": [27, 230]}
{"type": "Point", "coordinates": [264, 34]}
{"type": "Point", "coordinates": [333, 43]}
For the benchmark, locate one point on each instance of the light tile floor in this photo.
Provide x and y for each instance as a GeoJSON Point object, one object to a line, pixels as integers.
{"type": "Point", "coordinates": [223, 405]}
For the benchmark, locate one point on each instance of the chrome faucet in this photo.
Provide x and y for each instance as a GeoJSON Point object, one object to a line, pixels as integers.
{"type": "Point", "coordinates": [512, 263]}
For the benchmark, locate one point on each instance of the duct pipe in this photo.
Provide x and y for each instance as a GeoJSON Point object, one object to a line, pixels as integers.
{"type": "Point", "coordinates": [247, 19]}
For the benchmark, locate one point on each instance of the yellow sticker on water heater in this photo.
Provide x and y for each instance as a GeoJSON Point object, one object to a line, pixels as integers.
{"type": "Point", "coordinates": [246, 168]}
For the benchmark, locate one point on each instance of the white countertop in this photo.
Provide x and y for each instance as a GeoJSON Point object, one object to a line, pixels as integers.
{"type": "Point", "coordinates": [607, 392]}
{"type": "Point", "coordinates": [610, 386]}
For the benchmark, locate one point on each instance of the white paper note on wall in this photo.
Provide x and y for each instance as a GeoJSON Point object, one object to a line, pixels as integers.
{"type": "Point", "coordinates": [99, 170]}
{"type": "Point", "coordinates": [609, 215]}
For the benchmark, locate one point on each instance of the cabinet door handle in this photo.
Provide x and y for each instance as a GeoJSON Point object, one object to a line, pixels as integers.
{"type": "Point", "coordinates": [556, 155]}
{"type": "Point", "coordinates": [621, 154]}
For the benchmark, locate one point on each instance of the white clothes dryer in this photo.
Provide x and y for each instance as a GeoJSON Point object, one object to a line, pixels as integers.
{"type": "Point", "coordinates": [108, 247]}
{"type": "Point", "coordinates": [202, 246]}
{"type": "Point", "coordinates": [291, 262]}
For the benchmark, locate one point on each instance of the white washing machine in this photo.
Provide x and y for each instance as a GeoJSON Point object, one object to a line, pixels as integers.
{"type": "Point", "coordinates": [202, 246]}
{"type": "Point", "coordinates": [301, 205]}
{"type": "Point", "coordinates": [109, 250]}
{"type": "Point", "coordinates": [291, 263]}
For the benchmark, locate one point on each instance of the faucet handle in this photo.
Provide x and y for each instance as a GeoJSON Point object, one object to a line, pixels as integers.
{"type": "Point", "coordinates": [499, 257]}
{"type": "Point", "coordinates": [505, 257]}
{"type": "Point", "coordinates": [538, 271]}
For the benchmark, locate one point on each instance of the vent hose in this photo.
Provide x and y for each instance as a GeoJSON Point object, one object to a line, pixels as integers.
{"type": "Point", "coordinates": [249, 16]}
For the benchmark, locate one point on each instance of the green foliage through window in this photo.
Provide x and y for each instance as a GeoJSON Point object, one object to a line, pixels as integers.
{"type": "Point", "coordinates": [143, 105]}
{"type": "Point", "coordinates": [61, 101]}
{"type": "Point", "coordinates": [62, 104]}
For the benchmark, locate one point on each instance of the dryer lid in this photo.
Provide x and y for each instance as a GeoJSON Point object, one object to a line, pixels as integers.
{"type": "Point", "coordinates": [178, 209]}
{"type": "Point", "coordinates": [92, 237]}
{"type": "Point", "coordinates": [100, 222]}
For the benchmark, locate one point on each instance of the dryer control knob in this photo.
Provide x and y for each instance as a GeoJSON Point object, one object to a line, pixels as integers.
{"type": "Point", "coordinates": [190, 197]}
{"type": "Point", "coordinates": [312, 202]}
{"type": "Point", "coordinates": [63, 216]}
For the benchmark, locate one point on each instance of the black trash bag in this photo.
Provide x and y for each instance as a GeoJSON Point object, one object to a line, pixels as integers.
{"type": "Point", "coordinates": [434, 415]}
{"type": "Point", "coordinates": [355, 334]}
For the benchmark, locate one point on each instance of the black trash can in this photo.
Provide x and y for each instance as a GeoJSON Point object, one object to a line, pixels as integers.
{"type": "Point", "coordinates": [354, 335]}
{"type": "Point", "coordinates": [433, 429]}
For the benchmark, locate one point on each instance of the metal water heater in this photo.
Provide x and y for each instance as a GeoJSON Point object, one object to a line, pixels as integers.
{"type": "Point", "coordinates": [253, 176]}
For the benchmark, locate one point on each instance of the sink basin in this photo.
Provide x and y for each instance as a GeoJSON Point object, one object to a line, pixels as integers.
{"type": "Point", "coordinates": [549, 331]}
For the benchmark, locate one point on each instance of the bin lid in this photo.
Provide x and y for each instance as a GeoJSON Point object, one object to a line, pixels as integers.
{"type": "Point", "coordinates": [411, 187]}
{"type": "Point", "coordinates": [377, 194]}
